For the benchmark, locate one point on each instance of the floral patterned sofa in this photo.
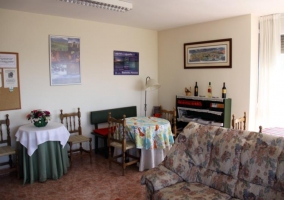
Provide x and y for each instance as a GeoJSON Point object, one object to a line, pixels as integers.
{"type": "Point", "coordinates": [209, 162]}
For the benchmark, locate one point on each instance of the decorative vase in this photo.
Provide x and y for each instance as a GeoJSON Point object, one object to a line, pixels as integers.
{"type": "Point", "coordinates": [40, 123]}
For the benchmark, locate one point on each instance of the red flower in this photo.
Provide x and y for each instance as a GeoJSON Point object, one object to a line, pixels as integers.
{"type": "Point", "coordinates": [36, 115]}
{"type": "Point", "coordinates": [46, 112]}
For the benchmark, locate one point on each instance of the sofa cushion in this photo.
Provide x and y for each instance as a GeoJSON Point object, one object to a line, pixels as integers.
{"type": "Point", "coordinates": [199, 143]}
{"type": "Point", "coordinates": [278, 142]}
{"type": "Point", "coordinates": [223, 183]}
{"type": "Point", "coordinates": [246, 190]}
{"type": "Point", "coordinates": [184, 190]}
{"type": "Point", "coordinates": [279, 185]}
{"type": "Point", "coordinates": [225, 156]}
{"type": "Point", "coordinates": [204, 176]}
{"type": "Point", "coordinates": [259, 160]}
{"type": "Point", "coordinates": [192, 148]}
{"type": "Point", "coordinates": [159, 177]}
{"type": "Point", "coordinates": [177, 160]}
{"type": "Point", "coordinates": [219, 181]}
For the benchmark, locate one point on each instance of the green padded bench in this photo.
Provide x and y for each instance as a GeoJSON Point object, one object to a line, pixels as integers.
{"type": "Point", "coordinates": [101, 116]}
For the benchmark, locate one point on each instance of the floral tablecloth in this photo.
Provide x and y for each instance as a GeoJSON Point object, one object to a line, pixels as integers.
{"type": "Point", "coordinates": [149, 132]}
{"type": "Point", "coordinates": [277, 131]}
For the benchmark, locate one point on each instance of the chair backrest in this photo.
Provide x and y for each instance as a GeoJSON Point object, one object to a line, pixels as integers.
{"type": "Point", "coordinates": [260, 129]}
{"type": "Point", "coordinates": [170, 115]}
{"type": "Point", "coordinates": [116, 129]}
{"type": "Point", "coordinates": [239, 123]}
{"type": "Point", "coordinates": [5, 127]}
{"type": "Point", "coordinates": [72, 121]}
{"type": "Point", "coordinates": [156, 111]}
{"type": "Point", "coordinates": [101, 116]}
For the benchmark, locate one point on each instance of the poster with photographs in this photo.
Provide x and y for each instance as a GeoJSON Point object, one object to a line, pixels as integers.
{"type": "Point", "coordinates": [126, 63]}
{"type": "Point", "coordinates": [64, 60]}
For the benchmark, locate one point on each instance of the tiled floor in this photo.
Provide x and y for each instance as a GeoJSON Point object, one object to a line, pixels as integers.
{"type": "Point", "coordinates": [83, 181]}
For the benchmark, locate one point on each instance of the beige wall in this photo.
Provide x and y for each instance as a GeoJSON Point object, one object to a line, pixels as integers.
{"type": "Point", "coordinates": [240, 79]}
{"type": "Point", "coordinates": [28, 34]}
{"type": "Point", "coordinates": [161, 57]}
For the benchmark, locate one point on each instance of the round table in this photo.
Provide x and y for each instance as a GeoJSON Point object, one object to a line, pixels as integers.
{"type": "Point", "coordinates": [42, 151]}
{"type": "Point", "coordinates": [153, 136]}
{"type": "Point", "coordinates": [150, 132]}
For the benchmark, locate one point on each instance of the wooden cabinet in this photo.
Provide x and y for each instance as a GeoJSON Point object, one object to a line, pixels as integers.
{"type": "Point", "coordinates": [203, 110]}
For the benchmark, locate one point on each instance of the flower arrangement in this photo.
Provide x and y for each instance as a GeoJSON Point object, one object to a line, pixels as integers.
{"type": "Point", "coordinates": [39, 117]}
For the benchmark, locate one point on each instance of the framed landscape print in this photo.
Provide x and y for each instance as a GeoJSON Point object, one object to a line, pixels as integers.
{"type": "Point", "coordinates": [208, 54]}
{"type": "Point", "coordinates": [64, 60]}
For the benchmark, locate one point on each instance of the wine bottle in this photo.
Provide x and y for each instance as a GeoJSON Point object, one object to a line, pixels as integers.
{"type": "Point", "coordinates": [209, 90]}
{"type": "Point", "coordinates": [196, 89]}
{"type": "Point", "coordinates": [224, 91]}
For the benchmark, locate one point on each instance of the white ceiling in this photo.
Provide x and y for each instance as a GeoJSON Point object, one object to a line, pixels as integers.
{"type": "Point", "coordinates": [152, 14]}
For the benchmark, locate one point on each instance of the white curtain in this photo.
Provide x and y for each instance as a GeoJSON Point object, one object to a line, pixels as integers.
{"type": "Point", "coordinates": [270, 109]}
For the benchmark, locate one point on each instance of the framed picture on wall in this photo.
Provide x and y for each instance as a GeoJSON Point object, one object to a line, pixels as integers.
{"type": "Point", "coordinates": [208, 54]}
{"type": "Point", "coordinates": [64, 60]}
{"type": "Point", "coordinates": [125, 63]}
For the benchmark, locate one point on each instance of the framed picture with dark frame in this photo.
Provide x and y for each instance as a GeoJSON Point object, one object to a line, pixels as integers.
{"type": "Point", "coordinates": [65, 66]}
{"type": "Point", "coordinates": [208, 54]}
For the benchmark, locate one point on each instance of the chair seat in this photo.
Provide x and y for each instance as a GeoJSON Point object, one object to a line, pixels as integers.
{"type": "Point", "coordinates": [102, 131]}
{"type": "Point", "coordinates": [7, 150]}
{"type": "Point", "coordinates": [129, 145]}
{"type": "Point", "coordinates": [78, 139]}
{"type": "Point", "coordinates": [103, 134]}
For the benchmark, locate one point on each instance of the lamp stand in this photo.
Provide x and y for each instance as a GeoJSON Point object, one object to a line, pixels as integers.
{"type": "Point", "coordinates": [145, 108]}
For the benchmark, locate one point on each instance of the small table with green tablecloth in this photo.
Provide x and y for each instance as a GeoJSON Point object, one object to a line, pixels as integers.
{"type": "Point", "coordinates": [42, 152]}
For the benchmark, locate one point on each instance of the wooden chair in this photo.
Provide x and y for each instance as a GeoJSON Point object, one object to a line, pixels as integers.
{"type": "Point", "coordinates": [170, 115]}
{"type": "Point", "coordinates": [72, 121]}
{"type": "Point", "coordinates": [101, 117]}
{"type": "Point", "coordinates": [117, 138]}
{"type": "Point", "coordinates": [239, 123]}
{"type": "Point", "coordinates": [260, 129]}
{"type": "Point", "coordinates": [6, 149]}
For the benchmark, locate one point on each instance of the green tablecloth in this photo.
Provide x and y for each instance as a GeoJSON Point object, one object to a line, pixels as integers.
{"type": "Point", "coordinates": [49, 161]}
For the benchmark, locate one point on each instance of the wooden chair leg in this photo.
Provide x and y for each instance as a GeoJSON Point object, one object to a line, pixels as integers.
{"type": "Point", "coordinates": [105, 148]}
{"type": "Point", "coordinates": [81, 149]}
{"type": "Point", "coordinates": [70, 154]}
{"type": "Point", "coordinates": [123, 163]}
{"type": "Point", "coordinates": [109, 157]}
{"type": "Point", "coordinates": [96, 144]}
{"type": "Point", "coordinates": [90, 146]}
{"type": "Point", "coordinates": [17, 164]}
{"type": "Point", "coordinates": [10, 161]}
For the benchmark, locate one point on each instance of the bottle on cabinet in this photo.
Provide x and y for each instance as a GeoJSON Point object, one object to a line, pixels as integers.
{"type": "Point", "coordinates": [224, 91]}
{"type": "Point", "coordinates": [196, 89]}
{"type": "Point", "coordinates": [209, 91]}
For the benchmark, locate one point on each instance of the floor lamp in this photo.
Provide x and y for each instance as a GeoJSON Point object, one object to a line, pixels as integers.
{"type": "Point", "coordinates": [151, 84]}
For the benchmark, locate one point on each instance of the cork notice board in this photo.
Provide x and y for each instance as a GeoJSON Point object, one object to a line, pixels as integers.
{"type": "Point", "coordinates": [10, 98]}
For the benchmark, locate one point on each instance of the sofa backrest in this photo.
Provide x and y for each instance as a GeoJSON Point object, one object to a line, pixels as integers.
{"type": "Point", "coordinates": [242, 164]}
{"type": "Point", "coordinates": [261, 173]}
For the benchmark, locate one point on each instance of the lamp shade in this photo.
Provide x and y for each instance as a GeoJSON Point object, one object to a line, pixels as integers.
{"type": "Point", "coordinates": [152, 84]}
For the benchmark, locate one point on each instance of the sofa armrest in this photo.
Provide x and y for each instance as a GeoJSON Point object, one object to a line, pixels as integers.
{"type": "Point", "coordinates": [158, 178]}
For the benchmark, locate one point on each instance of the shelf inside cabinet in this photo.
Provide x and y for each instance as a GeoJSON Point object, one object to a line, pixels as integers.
{"type": "Point", "coordinates": [214, 111]}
